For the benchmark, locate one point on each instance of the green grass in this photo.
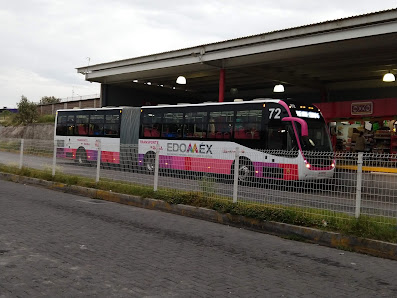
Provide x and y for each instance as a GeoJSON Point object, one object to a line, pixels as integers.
{"type": "Point", "coordinates": [379, 228]}
{"type": "Point", "coordinates": [46, 119]}
{"type": "Point", "coordinates": [10, 120]}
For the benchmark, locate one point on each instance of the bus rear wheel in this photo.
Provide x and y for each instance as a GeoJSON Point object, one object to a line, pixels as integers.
{"type": "Point", "coordinates": [81, 157]}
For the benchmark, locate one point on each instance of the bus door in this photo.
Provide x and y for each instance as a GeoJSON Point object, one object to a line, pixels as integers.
{"type": "Point", "coordinates": [280, 134]}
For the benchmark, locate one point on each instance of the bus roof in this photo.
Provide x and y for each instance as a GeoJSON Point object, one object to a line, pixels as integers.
{"type": "Point", "coordinates": [92, 109]}
{"type": "Point", "coordinates": [256, 100]}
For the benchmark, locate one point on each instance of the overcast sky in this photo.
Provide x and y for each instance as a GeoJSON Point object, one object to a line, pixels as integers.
{"type": "Point", "coordinates": [43, 42]}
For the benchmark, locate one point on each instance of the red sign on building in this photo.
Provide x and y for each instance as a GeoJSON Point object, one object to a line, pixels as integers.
{"type": "Point", "coordinates": [384, 108]}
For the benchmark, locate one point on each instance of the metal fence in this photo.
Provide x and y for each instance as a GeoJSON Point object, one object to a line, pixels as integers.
{"type": "Point", "coordinates": [363, 184]}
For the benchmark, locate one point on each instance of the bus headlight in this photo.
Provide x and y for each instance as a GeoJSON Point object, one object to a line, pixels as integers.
{"type": "Point", "coordinates": [307, 164]}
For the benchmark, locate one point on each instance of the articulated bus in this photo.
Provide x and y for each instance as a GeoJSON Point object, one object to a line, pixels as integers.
{"type": "Point", "coordinates": [277, 139]}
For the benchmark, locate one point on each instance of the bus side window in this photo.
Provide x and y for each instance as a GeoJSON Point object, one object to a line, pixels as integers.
{"type": "Point", "coordinates": [96, 125]}
{"type": "Point", "coordinates": [81, 128]}
{"type": "Point", "coordinates": [61, 125]}
{"type": "Point", "coordinates": [195, 125]}
{"type": "Point", "coordinates": [156, 130]}
{"type": "Point", "coordinates": [95, 130]}
{"type": "Point", "coordinates": [151, 124]}
{"type": "Point", "coordinates": [172, 125]}
{"type": "Point", "coordinates": [70, 125]}
{"type": "Point", "coordinates": [211, 126]}
{"type": "Point", "coordinates": [112, 125]}
{"type": "Point", "coordinates": [248, 125]}
{"type": "Point", "coordinates": [220, 124]}
{"type": "Point", "coordinates": [239, 130]}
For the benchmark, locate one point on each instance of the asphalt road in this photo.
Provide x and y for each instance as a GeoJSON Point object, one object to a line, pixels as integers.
{"type": "Point", "coordinates": [54, 244]}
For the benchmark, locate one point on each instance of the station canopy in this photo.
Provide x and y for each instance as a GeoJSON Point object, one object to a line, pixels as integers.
{"type": "Point", "coordinates": [337, 60]}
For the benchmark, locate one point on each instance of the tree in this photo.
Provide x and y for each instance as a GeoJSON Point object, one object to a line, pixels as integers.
{"type": "Point", "coordinates": [27, 111]}
{"type": "Point", "coordinates": [5, 114]}
{"type": "Point", "coordinates": [49, 100]}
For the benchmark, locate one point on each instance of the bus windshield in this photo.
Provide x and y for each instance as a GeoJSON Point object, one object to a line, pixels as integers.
{"type": "Point", "coordinates": [318, 139]}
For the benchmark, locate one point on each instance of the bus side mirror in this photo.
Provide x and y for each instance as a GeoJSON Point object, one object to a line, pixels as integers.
{"type": "Point", "coordinates": [304, 129]}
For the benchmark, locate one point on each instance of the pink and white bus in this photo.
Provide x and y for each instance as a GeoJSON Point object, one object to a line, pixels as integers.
{"type": "Point", "coordinates": [277, 139]}
{"type": "Point", "coordinates": [78, 133]}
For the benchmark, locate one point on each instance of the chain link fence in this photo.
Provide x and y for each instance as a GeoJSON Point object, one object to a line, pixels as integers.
{"type": "Point", "coordinates": [362, 184]}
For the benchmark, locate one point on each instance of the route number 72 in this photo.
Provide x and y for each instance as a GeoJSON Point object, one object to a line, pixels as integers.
{"type": "Point", "coordinates": [274, 113]}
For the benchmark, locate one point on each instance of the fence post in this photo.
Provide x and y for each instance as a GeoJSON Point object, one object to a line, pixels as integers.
{"type": "Point", "coordinates": [21, 154]}
{"type": "Point", "coordinates": [359, 183]}
{"type": "Point", "coordinates": [156, 169]}
{"type": "Point", "coordinates": [98, 161]}
{"type": "Point", "coordinates": [54, 158]}
{"type": "Point", "coordinates": [235, 180]}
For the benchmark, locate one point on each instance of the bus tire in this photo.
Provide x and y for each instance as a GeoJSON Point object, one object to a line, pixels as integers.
{"type": "Point", "coordinates": [81, 156]}
{"type": "Point", "coordinates": [245, 171]}
{"type": "Point", "coordinates": [149, 161]}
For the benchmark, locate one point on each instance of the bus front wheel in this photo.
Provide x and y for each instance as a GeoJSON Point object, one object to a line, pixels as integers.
{"type": "Point", "coordinates": [245, 170]}
{"type": "Point", "coordinates": [150, 159]}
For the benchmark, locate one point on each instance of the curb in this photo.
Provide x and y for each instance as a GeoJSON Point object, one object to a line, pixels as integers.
{"type": "Point", "coordinates": [331, 239]}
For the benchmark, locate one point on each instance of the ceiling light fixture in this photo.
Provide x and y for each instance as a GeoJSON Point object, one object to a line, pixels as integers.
{"type": "Point", "coordinates": [181, 80]}
{"type": "Point", "coordinates": [389, 77]}
{"type": "Point", "coordinates": [233, 90]}
{"type": "Point", "coordinates": [278, 88]}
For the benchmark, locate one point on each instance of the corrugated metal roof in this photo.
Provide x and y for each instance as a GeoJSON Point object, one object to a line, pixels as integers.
{"type": "Point", "coordinates": [283, 30]}
{"type": "Point", "coordinates": [257, 35]}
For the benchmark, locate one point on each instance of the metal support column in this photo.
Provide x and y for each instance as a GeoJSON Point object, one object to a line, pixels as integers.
{"type": "Point", "coordinates": [235, 176]}
{"type": "Point", "coordinates": [221, 85]}
{"type": "Point", "coordinates": [359, 184]}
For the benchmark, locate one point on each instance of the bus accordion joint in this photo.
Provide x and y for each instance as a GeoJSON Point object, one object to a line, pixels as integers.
{"type": "Point", "coordinates": [305, 131]}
